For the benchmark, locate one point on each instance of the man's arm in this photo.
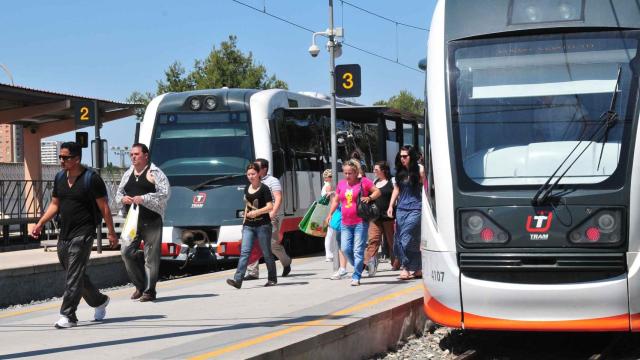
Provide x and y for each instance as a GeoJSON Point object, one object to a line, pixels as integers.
{"type": "Point", "coordinates": [51, 211]}
{"type": "Point", "coordinates": [103, 205]}
{"type": "Point", "coordinates": [276, 204]}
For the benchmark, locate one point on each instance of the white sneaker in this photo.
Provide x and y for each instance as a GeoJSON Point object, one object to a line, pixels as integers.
{"type": "Point", "coordinates": [355, 282]}
{"type": "Point", "coordinates": [101, 311]}
{"type": "Point", "coordinates": [65, 323]}
{"type": "Point", "coordinates": [340, 274]}
{"type": "Point", "coordinates": [328, 260]}
{"type": "Point", "coordinates": [372, 266]}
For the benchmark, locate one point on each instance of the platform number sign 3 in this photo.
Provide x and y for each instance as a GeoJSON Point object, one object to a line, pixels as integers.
{"type": "Point", "coordinates": [85, 113]}
{"type": "Point", "coordinates": [348, 80]}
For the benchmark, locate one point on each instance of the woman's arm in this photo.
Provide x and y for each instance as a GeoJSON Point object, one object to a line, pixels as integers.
{"type": "Point", "coordinates": [394, 197]}
{"type": "Point", "coordinates": [334, 206]}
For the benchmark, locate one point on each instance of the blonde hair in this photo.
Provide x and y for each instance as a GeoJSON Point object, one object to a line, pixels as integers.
{"type": "Point", "coordinates": [353, 163]}
{"type": "Point", "coordinates": [327, 173]}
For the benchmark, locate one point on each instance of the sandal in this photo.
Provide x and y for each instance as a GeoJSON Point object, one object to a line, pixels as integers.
{"type": "Point", "coordinates": [405, 276]}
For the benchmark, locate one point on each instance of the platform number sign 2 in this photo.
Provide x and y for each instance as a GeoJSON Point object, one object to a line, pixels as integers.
{"type": "Point", "coordinates": [85, 113]}
{"type": "Point", "coordinates": [348, 80]}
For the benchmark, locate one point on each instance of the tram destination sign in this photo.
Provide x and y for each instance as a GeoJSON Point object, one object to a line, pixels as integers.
{"type": "Point", "coordinates": [348, 80]}
{"type": "Point", "coordinates": [84, 113]}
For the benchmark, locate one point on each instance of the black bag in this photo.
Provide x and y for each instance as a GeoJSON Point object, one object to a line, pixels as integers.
{"type": "Point", "coordinates": [367, 211]}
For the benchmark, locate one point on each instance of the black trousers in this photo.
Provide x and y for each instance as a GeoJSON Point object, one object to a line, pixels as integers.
{"type": "Point", "coordinates": [73, 255]}
{"type": "Point", "coordinates": [143, 266]}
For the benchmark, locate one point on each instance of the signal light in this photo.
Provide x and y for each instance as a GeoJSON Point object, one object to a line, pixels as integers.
{"type": "Point", "coordinates": [486, 234]}
{"type": "Point", "coordinates": [478, 228]}
{"type": "Point", "coordinates": [593, 234]}
{"type": "Point", "coordinates": [604, 227]}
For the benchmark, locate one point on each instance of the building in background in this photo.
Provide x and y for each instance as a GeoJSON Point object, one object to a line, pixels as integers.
{"type": "Point", "coordinates": [49, 151]}
{"type": "Point", "coordinates": [11, 143]}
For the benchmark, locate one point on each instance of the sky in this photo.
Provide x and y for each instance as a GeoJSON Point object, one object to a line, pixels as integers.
{"type": "Point", "coordinates": [108, 49]}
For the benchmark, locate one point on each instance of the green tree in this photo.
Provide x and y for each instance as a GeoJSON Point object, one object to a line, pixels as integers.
{"type": "Point", "coordinates": [404, 101]}
{"type": "Point", "coordinates": [224, 66]}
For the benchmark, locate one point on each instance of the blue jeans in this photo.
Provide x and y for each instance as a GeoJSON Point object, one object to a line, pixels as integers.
{"type": "Point", "coordinates": [353, 242]}
{"type": "Point", "coordinates": [249, 234]}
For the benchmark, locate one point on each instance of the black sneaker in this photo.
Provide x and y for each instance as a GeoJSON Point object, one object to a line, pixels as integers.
{"type": "Point", "coordinates": [250, 277]}
{"type": "Point", "coordinates": [234, 283]}
{"type": "Point", "coordinates": [270, 283]}
{"type": "Point", "coordinates": [147, 297]}
{"type": "Point", "coordinates": [286, 270]}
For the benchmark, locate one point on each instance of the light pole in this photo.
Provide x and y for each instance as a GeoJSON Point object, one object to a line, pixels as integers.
{"type": "Point", "coordinates": [6, 70]}
{"type": "Point", "coordinates": [335, 50]}
{"type": "Point", "coordinates": [120, 151]}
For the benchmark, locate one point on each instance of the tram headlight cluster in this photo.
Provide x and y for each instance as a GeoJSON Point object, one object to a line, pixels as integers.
{"type": "Point", "coordinates": [603, 227]}
{"type": "Point", "coordinates": [477, 228]}
{"type": "Point", "coordinates": [537, 11]}
{"type": "Point", "coordinates": [196, 103]}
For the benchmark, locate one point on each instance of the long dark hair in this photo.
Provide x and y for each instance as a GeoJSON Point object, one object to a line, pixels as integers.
{"type": "Point", "coordinates": [413, 171]}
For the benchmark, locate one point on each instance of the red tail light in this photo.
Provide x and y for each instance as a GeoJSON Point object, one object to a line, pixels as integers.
{"type": "Point", "coordinates": [593, 234]}
{"type": "Point", "coordinates": [487, 234]}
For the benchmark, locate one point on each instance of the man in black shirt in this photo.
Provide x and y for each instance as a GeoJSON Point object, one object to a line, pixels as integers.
{"type": "Point", "coordinates": [74, 202]}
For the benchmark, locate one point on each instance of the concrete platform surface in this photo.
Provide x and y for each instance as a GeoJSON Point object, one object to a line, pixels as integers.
{"type": "Point", "coordinates": [203, 317]}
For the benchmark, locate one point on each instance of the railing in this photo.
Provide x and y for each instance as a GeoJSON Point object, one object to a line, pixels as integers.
{"type": "Point", "coordinates": [25, 200]}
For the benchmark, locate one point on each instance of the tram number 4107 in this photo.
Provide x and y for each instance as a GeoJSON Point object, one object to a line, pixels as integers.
{"type": "Point", "coordinates": [437, 275]}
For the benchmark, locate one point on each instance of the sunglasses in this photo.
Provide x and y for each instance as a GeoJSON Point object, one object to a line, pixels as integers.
{"type": "Point", "coordinates": [404, 156]}
{"type": "Point", "coordinates": [66, 158]}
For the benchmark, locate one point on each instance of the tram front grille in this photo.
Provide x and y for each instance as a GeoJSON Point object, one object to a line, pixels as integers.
{"type": "Point", "coordinates": [542, 268]}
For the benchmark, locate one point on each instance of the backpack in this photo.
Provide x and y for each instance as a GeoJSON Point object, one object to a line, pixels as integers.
{"type": "Point", "coordinates": [86, 178]}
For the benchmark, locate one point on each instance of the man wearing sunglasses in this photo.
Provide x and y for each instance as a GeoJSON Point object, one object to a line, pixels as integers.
{"type": "Point", "coordinates": [74, 202]}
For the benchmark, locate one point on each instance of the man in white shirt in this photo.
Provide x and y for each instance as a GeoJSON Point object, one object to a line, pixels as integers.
{"type": "Point", "coordinates": [276, 247]}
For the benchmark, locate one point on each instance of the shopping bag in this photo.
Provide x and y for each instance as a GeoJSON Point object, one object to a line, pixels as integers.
{"type": "Point", "coordinates": [130, 228]}
{"type": "Point", "coordinates": [313, 221]}
{"type": "Point", "coordinates": [336, 220]}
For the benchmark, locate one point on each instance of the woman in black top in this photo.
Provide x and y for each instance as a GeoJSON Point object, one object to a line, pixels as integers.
{"type": "Point", "coordinates": [384, 224]}
{"type": "Point", "coordinates": [256, 225]}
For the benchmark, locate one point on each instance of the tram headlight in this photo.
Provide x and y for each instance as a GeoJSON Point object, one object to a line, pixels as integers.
{"type": "Point", "coordinates": [477, 228]}
{"type": "Point", "coordinates": [195, 103]}
{"type": "Point", "coordinates": [603, 227]}
{"type": "Point", "coordinates": [537, 11]}
{"type": "Point", "coordinates": [210, 103]}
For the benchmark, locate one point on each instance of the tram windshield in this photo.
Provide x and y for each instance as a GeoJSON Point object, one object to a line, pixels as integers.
{"type": "Point", "coordinates": [195, 147]}
{"type": "Point", "coordinates": [520, 105]}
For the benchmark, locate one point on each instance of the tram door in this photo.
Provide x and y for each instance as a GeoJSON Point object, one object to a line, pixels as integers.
{"type": "Point", "coordinates": [297, 158]}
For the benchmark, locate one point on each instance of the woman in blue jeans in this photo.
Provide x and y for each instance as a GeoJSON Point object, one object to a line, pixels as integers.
{"type": "Point", "coordinates": [353, 238]}
{"type": "Point", "coordinates": [256, 225]}
{"type": "Point", "coordinates": [408, 192]}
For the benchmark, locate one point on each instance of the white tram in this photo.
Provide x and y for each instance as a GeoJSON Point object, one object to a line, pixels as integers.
{"type": "Point", "coordinates": [531, 201]}
{"type": "Point", "coordinates": [203, 140]}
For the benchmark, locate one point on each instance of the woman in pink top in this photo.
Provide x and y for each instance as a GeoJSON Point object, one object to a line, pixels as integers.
{"type": "Point", "coordinates": [354, 229]}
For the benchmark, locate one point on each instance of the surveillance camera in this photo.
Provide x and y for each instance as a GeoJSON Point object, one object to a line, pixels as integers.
{"type": "Point", "coordinates": [314, 50]}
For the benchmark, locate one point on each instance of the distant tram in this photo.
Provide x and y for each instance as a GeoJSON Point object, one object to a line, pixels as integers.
{"type": "Point", "coordinates": [531, 201]}
{"type": "Point", "coordinates": [203, 140]}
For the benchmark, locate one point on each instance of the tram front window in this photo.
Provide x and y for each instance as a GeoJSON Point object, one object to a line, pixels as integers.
{"type": "Point", "coordinates": [194, 147]}
{"type": "Point", "coordinates": [520, 105]}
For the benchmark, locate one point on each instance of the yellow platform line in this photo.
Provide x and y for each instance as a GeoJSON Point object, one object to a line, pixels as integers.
{"type": "Point", "coordinates": [297, 327]}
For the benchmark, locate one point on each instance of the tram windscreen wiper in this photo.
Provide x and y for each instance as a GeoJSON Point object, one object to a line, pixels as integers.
{"type": "Point", "coordinates": [214, 180]}
{"type": "Point", "coordinates": [607, 120]}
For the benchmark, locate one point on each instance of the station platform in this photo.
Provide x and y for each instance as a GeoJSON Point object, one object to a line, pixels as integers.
{"type": "Point", "coordinates": [306, 315]}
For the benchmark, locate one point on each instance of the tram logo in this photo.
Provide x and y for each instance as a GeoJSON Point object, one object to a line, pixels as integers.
{"type": "Point", "coordinates": [198, 200]}
{"type": "Point", "coordinates": [538, 225]}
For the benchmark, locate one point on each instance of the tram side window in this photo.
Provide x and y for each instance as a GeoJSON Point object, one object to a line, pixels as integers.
{"type": "Point", "coordinates": [430, 187]}
{"type": "Point", "coordinates": [304, 142]}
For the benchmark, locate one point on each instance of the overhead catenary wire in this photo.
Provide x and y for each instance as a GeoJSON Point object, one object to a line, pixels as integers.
{"type": "Point", "coordinates": [383, 17]}
{"type": "Point", "coordinates": [312, 31]}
